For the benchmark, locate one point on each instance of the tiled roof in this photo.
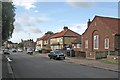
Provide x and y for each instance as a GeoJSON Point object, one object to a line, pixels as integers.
{"type": "Point", "coordinates": [64, 33]}
{"type": "Point", "coordinates": [42, 38]}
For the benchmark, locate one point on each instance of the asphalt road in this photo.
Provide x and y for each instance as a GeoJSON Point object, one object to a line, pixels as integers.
{"type": "Point", "coordinates": [27, 66]}
{"type": "Point", "coordinates": [0, 65]}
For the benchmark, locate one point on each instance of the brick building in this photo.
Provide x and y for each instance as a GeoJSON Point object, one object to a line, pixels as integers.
{"type": "Point", "coordinates": [28, 44]}
{"type": "Point", "coordinates": [101, 37]}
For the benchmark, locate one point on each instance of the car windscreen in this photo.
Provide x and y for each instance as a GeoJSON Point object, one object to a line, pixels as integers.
{"type": "Point", "coordinates": [58, 52]}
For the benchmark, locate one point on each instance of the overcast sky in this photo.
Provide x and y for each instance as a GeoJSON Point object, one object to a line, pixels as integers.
{"type": "Point", "coordinates": [34, 18]}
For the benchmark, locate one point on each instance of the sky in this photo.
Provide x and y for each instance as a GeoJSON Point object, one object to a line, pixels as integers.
{"type": "Point", "coordinates": [34, 18]}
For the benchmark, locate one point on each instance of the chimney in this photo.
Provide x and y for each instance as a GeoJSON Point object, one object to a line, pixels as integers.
{"type": "Point", "coordinates": [89, 22]}
{"type": "Point", "coordinates": [65, 28]}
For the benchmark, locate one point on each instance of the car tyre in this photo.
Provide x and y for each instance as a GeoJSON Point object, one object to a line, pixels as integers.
{"type": "Point", "coordinates": [50, 58]}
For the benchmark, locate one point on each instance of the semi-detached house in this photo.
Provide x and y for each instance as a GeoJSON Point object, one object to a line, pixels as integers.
{"type": "Point", "coordinates": [63, 39]}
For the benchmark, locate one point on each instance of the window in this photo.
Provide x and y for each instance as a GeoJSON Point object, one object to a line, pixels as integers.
{"type": "Point", "coordinates": [96, 41]}
{"type": "Point", "coordinates": [86, 43]}
{"type": "Point", "coordinates": [95, 23]}
{"type": "Point", "coordinates": [78, 45]}
{"type": "Point", "coordinates": [107, 43]}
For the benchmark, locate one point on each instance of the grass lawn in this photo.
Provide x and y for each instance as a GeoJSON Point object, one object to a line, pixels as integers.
{"type": "Point", "coordinates": [110, 62]}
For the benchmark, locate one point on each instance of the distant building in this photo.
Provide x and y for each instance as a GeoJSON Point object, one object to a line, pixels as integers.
{"type": "Point", "coordinates": [28, 44]}
{"type": "Point", "coordinates": [10, 44]}
{"type": "Point", "coordinates": [44, 41]}
{"type": "Point", "coordinates": [101, 37]}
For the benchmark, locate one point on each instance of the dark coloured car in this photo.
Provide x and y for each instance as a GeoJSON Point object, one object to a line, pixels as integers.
{"type": "Point", "coordinates": [57, 54]}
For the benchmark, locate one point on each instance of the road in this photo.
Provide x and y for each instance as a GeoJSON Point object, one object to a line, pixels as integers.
{"type": "Point", "coordinates": [0, 65]}
{"type": "Point", "coordinates": [27, 66]}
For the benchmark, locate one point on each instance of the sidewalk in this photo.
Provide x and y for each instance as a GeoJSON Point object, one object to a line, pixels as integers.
{"type": "Point", "coordinates": [90, 63]}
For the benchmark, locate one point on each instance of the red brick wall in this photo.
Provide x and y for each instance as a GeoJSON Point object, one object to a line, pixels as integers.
{"type": "Point", "coordinates": [103, 31]}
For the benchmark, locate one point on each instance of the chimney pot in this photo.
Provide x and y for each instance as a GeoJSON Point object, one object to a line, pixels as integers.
{"type": "Point", "coordinates": [65, 28]}
{"type": "Point", "coordinates": [89, 22]}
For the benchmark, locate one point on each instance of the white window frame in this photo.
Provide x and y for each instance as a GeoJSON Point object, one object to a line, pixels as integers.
{"type": "Point", "coordinates": [106, 43]}
{"type": "Point", "coordinates": [96, 41]}
{"type": "Point", "coordinates": [78, 45]}
{"type": "Point", "coordinates": [86, 43]}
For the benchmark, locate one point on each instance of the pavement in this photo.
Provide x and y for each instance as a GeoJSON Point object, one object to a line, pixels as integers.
{"type": "Point", "coordinates": [7, 71]}
{"type": "Point", "coordinates": [90, 63]}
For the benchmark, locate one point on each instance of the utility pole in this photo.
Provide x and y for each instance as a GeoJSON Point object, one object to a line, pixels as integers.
{"type": "Point", "coordinates": [29, 36]}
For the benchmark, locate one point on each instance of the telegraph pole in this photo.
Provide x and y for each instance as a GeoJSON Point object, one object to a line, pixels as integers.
{"type": "Point", "coordinates": [29, 36]}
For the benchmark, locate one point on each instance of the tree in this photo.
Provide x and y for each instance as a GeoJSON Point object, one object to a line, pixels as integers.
{"type": "Point", "coordinates": [20, 45]}
{"type": "Point", "coordinates": [8, 14]}
{"type": "Point", "coordinates": [49, 32]}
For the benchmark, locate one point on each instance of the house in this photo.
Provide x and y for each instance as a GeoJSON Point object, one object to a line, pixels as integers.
{"type": "Point", "coordinates": [10, 44]}
{"type": "Point", "coordinates": [28, 44]}
{"type": "Point", "coordinates": [101, 37]}
{"type": "Point", "coordinates": [44, 41]}
{"type": "Point", "coordinates": [63, 39]}
{"type": "Point", "coordinates": [76, 46]}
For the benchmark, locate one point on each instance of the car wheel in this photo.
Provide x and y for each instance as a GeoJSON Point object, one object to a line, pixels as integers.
{"type": "Point", "coordinates": [63, 57]}
{"type": "Point", "coordinates": [50, 57]}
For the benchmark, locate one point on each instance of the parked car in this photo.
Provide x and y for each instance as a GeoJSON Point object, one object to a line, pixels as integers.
{"type": "Point", "coordinates": [30, 51]}
{"type": "Point", "coordinates": [14, 50]}
{"type": "Point", "coordinates": [20, 50]}
{"type": "Point", "coordinates": [6, 51]}
{"type": "Point", "coordinates": [57, 54]}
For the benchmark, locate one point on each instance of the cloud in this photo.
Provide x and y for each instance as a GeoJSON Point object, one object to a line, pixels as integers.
{"type": "Point", "coordinates": [18, 27]}
{"type": "Point", "coordinates": [28, 20]}
{"type": "Point", "coordinates": [35, 30]}
{"type": "Point", "coordinates": [79, 28]}
{"type": "Point", "coordinates": [80, 3]}
{"type": "Point", "coordinates": [27, 4]}
{"type": "Point", "coordinates": [26, 23]}
{"type": "Point", "coordinates": [36, 11]}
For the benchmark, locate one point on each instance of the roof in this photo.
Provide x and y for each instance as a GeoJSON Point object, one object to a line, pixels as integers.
{"type": "Point", "coordinates": [44, 37]}
{"type": "Point", "coordinates": [111, 23]}
{"type": "Point", "coordinates": [66, 33]}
